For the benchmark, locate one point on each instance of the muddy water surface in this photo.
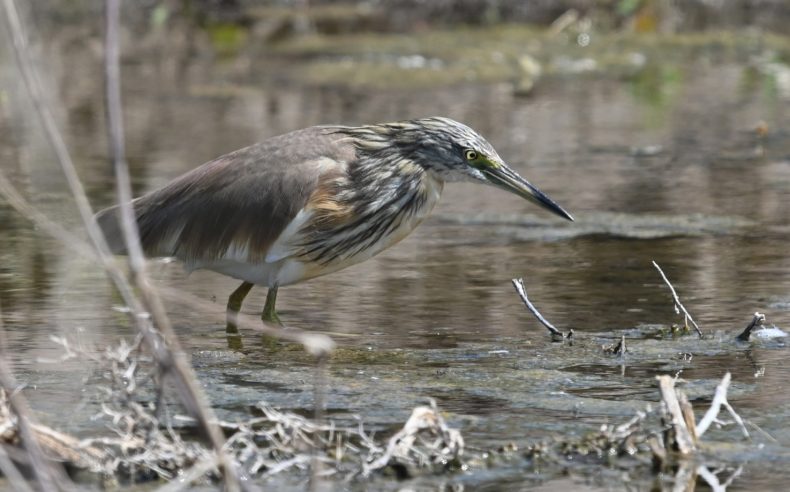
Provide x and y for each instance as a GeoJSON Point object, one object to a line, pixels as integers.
{"type": "Point", "coordinates": [680, 170]}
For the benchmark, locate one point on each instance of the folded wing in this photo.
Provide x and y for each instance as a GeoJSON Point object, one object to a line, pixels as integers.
{"type": "Point", "coordinates": [237, 205]}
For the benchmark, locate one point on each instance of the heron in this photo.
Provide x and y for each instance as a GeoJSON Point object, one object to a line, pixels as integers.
{"type": "Point", "coordinates": [311, 202]}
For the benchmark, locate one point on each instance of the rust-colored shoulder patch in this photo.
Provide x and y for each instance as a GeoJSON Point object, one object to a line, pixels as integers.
{"type": "Point", "coordinates": [327, 203]}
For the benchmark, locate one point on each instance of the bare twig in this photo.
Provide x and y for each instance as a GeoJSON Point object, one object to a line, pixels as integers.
{"type": "Point", "coordinates": [136, 312]}
{"type": "Point", "coordinates": [568, 18]}
{"type": "Point", "coordinates": [53, 135]}
{"type": "Point", "coordinates": [682, 436]}
{"type": "Point", "coordinates": [732, 477]}
{"type": "Point", "coordinates": [522, 292]}
{"type": "Point", "coordinates": [713, 481]}
{"type": "Point", "coordinates": [757, 321]}
{"type": "Point", "coordinates": [720, 400]}
{"type": "Point", "coordinates": [686, 477]}
{"type": "Point", "coordinates": [12, 473]}
{"type": "Point", "coordinates": [678, 305]}
{"type": "Point", "coordinates": [320, 406]}
{"type": "Point", "coordinates": [115, 135]}
{"type": "Point", "coordinates": [171, 361]}
{"type": "Point", "coordinates": [688, 414]}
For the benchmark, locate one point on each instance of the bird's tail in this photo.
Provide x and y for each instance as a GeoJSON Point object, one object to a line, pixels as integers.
{"type": "Point", "coordinates": [109, 221]}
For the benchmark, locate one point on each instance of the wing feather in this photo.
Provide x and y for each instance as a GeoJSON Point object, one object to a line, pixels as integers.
{"type": "Point", "coordinates": [238, 204]}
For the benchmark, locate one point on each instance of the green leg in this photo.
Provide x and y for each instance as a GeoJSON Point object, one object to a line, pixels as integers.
{"type": "Point", "coordinates": [234, 306]}
{"type": "Point", "coordinates": [269, 317]}
{"type": "Point", "coordinates": [269, 314]}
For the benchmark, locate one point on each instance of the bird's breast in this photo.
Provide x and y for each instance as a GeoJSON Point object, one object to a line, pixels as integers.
{"type": "Point", "coordinates": [391, 220]}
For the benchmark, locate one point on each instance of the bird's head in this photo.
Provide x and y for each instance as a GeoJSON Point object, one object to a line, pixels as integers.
{"type": "Point", "coordinates": [454, 152]}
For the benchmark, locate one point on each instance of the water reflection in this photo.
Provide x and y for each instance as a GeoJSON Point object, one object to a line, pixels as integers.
{"type": "Point", "coordinates": [447, 286]}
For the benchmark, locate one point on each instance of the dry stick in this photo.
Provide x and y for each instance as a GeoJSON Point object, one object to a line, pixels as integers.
{"type": "Point", "coordinates": [170, 362]}
{"type": "Point", "coordinates": [115, 136]}
{"type": "Point", "coordinates": [53, 135]}
{"type": "Point", "coordinates": [12, 473]}
{"type": "Point", "coordinates": [732, 477]}
{"type": "Point", "coordinates": [139, 317]}
{"type": "Point", "coordinates": [522, 292]}
{"type": "Point", "coordinates": [320, 404]}
{"type": "Point", "coordinates": [678, 304]}
{"type": "Point", "coordinates": [136, 312]}
{"type": "Point", "coordinates": [185, 379]}
{"type": "Point", "coordinates": [719, 400]}
{"type": "Point", "coordinates": [49, 476]}
{"type": "Point", "coordinates": [713, 481]}
{"type": "Point", "coordinates": [619, 348]}
{"type": "Point", "coordinates": [685, 477]}
{"type": "Point", "coordinates": [688, 414]}
{"type": "Point", "coordinates": [683, 436]}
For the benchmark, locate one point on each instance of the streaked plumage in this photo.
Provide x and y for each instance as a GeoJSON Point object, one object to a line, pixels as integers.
{"type": "Point", "coordinates": [312, 201]}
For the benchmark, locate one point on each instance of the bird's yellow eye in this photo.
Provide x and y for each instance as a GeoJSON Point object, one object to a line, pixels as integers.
{"type": "Point", "coordinates": [471, 155]}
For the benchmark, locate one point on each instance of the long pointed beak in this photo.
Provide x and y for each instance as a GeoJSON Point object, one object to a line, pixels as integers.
{"type": "Point", "coordinates": [507, 179]}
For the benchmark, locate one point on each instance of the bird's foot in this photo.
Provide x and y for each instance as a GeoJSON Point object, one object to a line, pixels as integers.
{"type": "Point", "coordinates": [233, 335]}
{"type": "Point", "coordinates": [234, 342]}
{"type": "Point", "coordinates": [231, 328]}
{"type": "Point", "coordinates": [270, 317]}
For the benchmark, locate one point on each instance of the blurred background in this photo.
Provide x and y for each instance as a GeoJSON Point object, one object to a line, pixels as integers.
{"type": "Point", "coordinates": [662, 126]}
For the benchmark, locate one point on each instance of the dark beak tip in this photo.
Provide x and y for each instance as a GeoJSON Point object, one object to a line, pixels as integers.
{"type": "Point", "coordinates": [556, 209]}
{"type": "Point", "coordinates": [506, 178]}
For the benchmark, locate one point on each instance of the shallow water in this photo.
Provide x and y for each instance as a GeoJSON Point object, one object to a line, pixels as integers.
{"type": "Point", "coordinates": [436, 316]}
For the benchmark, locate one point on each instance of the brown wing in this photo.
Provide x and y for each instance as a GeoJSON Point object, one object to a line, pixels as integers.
{"type": "Point", "coordinates": [243, 199]}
